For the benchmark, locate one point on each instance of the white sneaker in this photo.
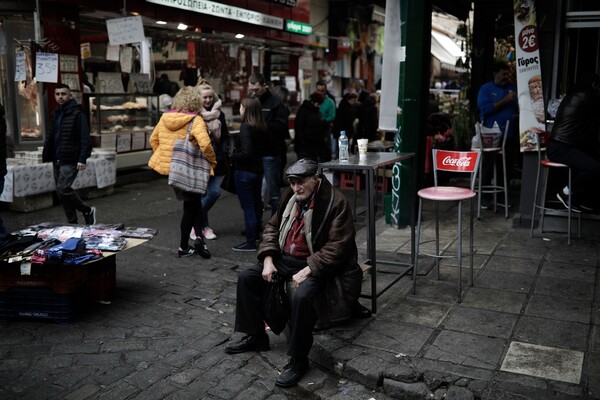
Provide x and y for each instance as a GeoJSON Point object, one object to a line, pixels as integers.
{"type": "Point", "coordinates": [193, 234]}
{"type": "Point", "coordinates": [208, 234]}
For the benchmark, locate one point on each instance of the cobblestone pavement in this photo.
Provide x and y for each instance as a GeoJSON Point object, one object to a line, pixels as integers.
{"type": "Point", "coordinates": [163, 334]}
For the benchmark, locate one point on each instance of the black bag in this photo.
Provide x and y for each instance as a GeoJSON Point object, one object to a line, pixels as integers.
{"type": "Point", "coordinates": [276, 308]}
{"type": "Point", "coordinates": [229, 180]}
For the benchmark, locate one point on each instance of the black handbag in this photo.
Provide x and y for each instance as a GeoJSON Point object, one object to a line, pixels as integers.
{"type": "Point", "coordinates": [276, 308]}
{"type": "Point", "coordinates": [228, 182]}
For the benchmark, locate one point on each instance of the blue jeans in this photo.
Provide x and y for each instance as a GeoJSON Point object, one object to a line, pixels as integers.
{"type": "Point", "coordinates": [272, 167]}
{"type": "Point", "coordinates": [247, 185]}
{"type": "Point", "coordinates": [64, 176]}
{"type": "Point", "coordinates": [213, 192]}
{"type": "Point", "coordinates": [3, 231]}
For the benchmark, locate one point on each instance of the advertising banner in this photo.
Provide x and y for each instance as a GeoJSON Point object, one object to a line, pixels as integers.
{"type": "Point", "coordinates": [529, 74]}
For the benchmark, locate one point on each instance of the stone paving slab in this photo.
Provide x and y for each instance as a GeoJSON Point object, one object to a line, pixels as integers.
{"type": "Point", "coordinates": [563, 309]}
{"type": "Point", "coordinates": [544, 362]}
{"type": "Point", "coordinates": [553, 333]}
{"type": "Point", "coordinates": [481, 322]}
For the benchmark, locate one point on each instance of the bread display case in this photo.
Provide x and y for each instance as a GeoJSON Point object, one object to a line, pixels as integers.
{"type": "Point", "coordinates": [123, 122]}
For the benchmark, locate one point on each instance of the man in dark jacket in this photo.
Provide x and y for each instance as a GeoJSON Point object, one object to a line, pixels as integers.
{"type": "Point", "coordinates": [68, 147]}
{"type": "Point", "coordinates": [574, 141]}
{"type": "Point", "coordinates": [276, 114]}
{"type": "Point", "coordinates": [311, 241]}
{"type": "Point", "coordinates": [345, 116]}
{"type": "Point", "coordinates": [310, 129]}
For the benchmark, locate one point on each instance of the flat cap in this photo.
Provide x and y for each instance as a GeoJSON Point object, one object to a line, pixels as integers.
{"type": "Point", "coordinates": [302, 168]}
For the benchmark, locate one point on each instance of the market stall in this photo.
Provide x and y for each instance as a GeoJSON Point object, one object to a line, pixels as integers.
{"type": "Point", "coordinates": [52, 271]}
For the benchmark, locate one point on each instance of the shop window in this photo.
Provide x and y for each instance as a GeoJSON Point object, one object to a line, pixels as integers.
{"type": "Point", "coordinates": [583, 36]}
{"type": "Point", "coordinates": [24, 114]}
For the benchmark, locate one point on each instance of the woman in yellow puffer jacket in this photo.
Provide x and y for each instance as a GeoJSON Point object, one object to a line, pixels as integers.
{"type": "Point", "coordinates": [173, 125]}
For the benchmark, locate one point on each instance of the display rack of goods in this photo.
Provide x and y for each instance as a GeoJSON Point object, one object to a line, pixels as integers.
{"type": "Point", "coordinates": [121, 120]}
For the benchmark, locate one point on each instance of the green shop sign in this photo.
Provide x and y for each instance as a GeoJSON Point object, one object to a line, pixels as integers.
{"type": "Point", "coordinates": [298, 27]}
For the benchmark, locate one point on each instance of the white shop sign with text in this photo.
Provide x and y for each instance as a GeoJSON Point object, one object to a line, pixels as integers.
{"type": "Point", "coordinates": [224, 11]}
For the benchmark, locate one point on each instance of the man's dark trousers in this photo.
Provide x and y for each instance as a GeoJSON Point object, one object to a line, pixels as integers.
{"type": "Point", "coordinates": [64, 176]}
{"type": "Point", "coordinates": [250, 295]}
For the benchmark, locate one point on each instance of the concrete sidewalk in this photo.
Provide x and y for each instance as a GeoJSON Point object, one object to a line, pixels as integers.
{"type": "Point", "coordinates": [527, 329]}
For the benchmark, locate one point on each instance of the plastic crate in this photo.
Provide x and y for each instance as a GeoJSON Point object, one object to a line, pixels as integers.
{"type": "Point", "coordinates": [347, 181]}
{"type": "Point", "coordinates": [102, 278]}
{"type": "Point", "coordinates": [58, 278]}
{"type": "Point", "coordinates": [43, 304]}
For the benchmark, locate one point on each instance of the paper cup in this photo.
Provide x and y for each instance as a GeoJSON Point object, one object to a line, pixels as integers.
{"type": "Point", "coordinates": [362, 147]}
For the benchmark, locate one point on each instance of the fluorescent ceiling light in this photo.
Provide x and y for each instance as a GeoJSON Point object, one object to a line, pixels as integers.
{"type": "Point", "coordinates": [239, 36]}
{"type": "Point", "coordinates": [161, 22]}
{"type": "Point", "coordinates": [182, 27]}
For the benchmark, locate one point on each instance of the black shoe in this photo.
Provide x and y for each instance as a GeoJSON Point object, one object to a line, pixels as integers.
{"type": "Point", "coordinates": [90, 216]}
{"type": "Point", "coordinates": [359, 311]}
{"type": "Point", "coordinates": [186, 253]}
{"type": "Point", "coordinates": [201, 248]}
{"type": "Point", "coordinates": [249, 343]}
{"type": "Point", "coordinates": [244, 247]}
{"type": "Point", "coordinates": [292, 372]}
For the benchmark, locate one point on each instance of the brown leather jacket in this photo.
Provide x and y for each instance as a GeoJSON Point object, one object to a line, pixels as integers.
{"type": "Point", "coordinates": [334, 253]}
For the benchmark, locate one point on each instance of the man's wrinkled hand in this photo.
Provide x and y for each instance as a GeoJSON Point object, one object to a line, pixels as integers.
{"type": "Point", "coordinates": [268, 269]}
{"type": "Point", "coordinates": [301, 276]}
{"type": "Point", "coordinates": [80, 166]}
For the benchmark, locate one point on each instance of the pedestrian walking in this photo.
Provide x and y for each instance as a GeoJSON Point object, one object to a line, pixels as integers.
{"type": "Point", "coordinates": [174, 124]}
{"type": "Point", "coordinates": [275, 114]}
{"type": "Point", "coordinates": [327, 108]}
{"type": "Point", "coordinates": [68, 146]}
{"type": "Point", "coordinates": [219, 136]}
{"type": "Point", "coordinates": [247, 159]}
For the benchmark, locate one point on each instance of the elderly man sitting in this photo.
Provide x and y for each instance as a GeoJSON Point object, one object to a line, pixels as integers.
{"type": "Point", "coordinates": [310, 241]}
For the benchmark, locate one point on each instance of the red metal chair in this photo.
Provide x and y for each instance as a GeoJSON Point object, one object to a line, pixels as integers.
{"type": "Point", "coordinates": [547, 165]}
{"type": "Point", "coordinates": [454, 161]}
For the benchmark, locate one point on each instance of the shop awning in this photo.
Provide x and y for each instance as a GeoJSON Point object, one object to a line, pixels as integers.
{"type": "Point", "coordinates": [446, 51]}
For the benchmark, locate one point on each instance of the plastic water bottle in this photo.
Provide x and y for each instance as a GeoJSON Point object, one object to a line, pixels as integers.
{"type": "Point", "coordinates": [343, 145]}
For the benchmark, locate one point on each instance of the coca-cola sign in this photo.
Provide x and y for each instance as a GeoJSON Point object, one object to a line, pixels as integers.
{"type": "Point", "coordinates": [457, 161]}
